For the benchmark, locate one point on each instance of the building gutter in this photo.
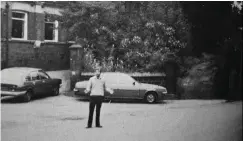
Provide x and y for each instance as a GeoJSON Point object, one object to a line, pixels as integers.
{"type": "Point", "coordinates": [241, 56]}
{"type": "Point", "coordinates": [7, 34]}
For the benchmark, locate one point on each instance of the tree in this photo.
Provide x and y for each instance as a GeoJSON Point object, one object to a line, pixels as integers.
{"type": "Point", "coordinates": [216, 28]}
{"type": "Point", "coordinates": [134, 35]}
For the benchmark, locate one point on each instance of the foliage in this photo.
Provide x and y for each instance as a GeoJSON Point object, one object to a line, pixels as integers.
{"type": "Point", "coordinates": [199, 80]}
{"type": "Point", "coordinates": [138, 37]}
{"type": "Point", "coordinates": [213, 24]}
{"type": "Point", "coordinates": [216, 27]}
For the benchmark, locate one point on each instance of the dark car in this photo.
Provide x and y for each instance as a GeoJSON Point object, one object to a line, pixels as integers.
{"type": "Point", "coordinates": [27, 83]}
{"type": "Point", "coordinates": [125, 87]}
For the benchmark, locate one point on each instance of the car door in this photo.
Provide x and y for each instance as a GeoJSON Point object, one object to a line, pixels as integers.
{"type": "Point", "coordinates": [46, 81]}
{"type": "Point", "coordinates": [127, 86]}
{"type": "Point", "coordinates": [36, 83]}
{"type": "Point", "coordinates": [111, 82]}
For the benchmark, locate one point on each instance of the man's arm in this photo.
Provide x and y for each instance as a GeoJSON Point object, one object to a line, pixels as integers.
{"type": "Point", "coordinates": [89, 85]}
{"type": "Point", "coordinates": [108, 89]}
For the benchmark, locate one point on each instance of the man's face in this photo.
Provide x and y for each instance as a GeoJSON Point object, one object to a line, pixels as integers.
{"type": "Point", "coordinates": [97, 73]}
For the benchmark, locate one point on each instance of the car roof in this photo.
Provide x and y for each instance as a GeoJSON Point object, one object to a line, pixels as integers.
{"type": "Point", "coordinates": [15, 75]}
{"type": "Point", "coordinates": [22, 69]}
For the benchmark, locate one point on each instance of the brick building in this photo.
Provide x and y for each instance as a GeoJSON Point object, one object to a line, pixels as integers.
{"type": "Point", "coordinates": [31, 35]}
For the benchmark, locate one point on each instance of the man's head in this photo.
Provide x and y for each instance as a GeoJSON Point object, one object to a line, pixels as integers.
{"type": "Point", "coordinates": [97, 72]}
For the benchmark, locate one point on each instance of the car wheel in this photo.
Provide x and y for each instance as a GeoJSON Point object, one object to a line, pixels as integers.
{"type": "Point", "coordinates": [150, 98]}
{"type": "Point", "coordinates": [55, 91]}
{"type": "Point", "coordinates": [27, 96]}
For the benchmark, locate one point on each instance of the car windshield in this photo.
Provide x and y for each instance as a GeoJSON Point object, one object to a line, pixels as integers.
{"type": "Point", "coordinates": [125, 79]}
{"type": "Point", "coordinates": [9, 76]}
{"type": "Point", "coordinates": [115, 78]}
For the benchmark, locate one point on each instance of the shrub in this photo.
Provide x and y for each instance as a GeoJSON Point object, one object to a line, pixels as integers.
{"type": "Point", "coordinates": [198, 83]}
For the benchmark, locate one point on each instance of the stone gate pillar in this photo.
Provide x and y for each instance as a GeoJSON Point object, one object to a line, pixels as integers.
{"type": "Point", "coordinates": [171, 70]}
{"type": "Point", "coordinates": [76, 63]}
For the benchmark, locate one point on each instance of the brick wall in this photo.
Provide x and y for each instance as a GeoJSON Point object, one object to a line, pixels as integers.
{"type": "Point", "coordinates": [50, 56]}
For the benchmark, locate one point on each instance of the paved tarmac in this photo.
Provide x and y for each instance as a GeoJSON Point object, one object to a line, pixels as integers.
{"type": "Point", "coordinates": [64, 118]}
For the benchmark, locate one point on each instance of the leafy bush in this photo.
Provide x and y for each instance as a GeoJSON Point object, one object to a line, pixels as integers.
{"type": "Point", "coordinates": [198, 83]}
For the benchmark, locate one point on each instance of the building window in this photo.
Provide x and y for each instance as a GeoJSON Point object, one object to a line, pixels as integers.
{"type": "Point", "coordinates": [19, 25]}
{"type": "Point", "coordinates": [51, 31]}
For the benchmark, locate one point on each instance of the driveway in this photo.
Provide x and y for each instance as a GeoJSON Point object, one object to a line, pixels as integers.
{"type": "Point", "coordinates": [64, 118]}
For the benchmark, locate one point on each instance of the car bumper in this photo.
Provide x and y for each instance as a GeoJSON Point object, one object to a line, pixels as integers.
{"type": "Point", "coordinates": [12, 93]}
{"type": "Point", "coordinates": [161, 95]}
{"type": "Point", "coordinates": [80, 93]}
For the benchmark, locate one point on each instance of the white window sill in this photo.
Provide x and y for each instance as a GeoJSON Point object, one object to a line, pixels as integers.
{"type": "Point", "coordinates": [21, 39]}
{"type": "Point", "coordinates": [72, 42]}
{"type": "Point", "coordinates": [50, 41]}
{"type": "Point", "coordinates": [32, 41]}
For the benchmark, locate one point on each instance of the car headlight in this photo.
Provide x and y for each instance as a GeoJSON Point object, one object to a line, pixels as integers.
{"type": "Point", "coordinates": [75, 90]}
{"type": "Point", "coordinates": [164, 91]}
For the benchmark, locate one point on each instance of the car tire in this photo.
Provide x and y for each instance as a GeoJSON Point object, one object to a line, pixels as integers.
{"type": "Point", "coordinates": [27, 96]}
{"type": "Point", "coordinates": [150, 97]}
{"type": "Point", "coordinates": [55, 91]}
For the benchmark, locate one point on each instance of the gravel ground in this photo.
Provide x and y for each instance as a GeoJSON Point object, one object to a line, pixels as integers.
{"type": "Point", "coordinates": [64, 118]}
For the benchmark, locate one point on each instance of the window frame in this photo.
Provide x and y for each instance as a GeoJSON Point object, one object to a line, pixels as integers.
{"type": "Point", "coordinates": [31, 76]}
{"type": "Point", "coordinates": [43, 73]}
{"type": "Point", "coordinates": [25, 19]}
{"type": "Point", "coordinates": [56, 33]}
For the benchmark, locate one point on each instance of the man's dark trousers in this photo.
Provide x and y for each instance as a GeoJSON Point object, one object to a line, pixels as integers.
{"type": "Point", "coordinates": [95, 101]}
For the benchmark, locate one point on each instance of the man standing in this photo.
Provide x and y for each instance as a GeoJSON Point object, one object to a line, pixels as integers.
{"type": "Point", "coordinates": [96, 86]}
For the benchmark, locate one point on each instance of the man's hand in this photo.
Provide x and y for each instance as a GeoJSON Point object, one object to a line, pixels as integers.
{"type": "Point", "coordinates": [86, 91]}
{"type": "Point", "coordinates": [111, 91]}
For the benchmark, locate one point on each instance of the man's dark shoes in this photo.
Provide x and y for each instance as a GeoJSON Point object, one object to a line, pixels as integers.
{"type": "Point", "coordinates": [88, 127]}
{"type": "Point", "coordinates": [99, 126]}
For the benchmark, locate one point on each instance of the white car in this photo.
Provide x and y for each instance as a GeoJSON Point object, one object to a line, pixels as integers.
{"type": "Point", "coordinates": [125, 87]}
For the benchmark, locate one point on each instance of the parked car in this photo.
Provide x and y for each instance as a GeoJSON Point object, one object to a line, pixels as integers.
{"type": "Point", "coordinates": [27, 83]}
{"type": "Point", "coordinates": [125, 87]}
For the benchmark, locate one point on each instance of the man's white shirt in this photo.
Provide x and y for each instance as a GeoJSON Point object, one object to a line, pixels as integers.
{"type": "Point", "coordinates": [97, 87]}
